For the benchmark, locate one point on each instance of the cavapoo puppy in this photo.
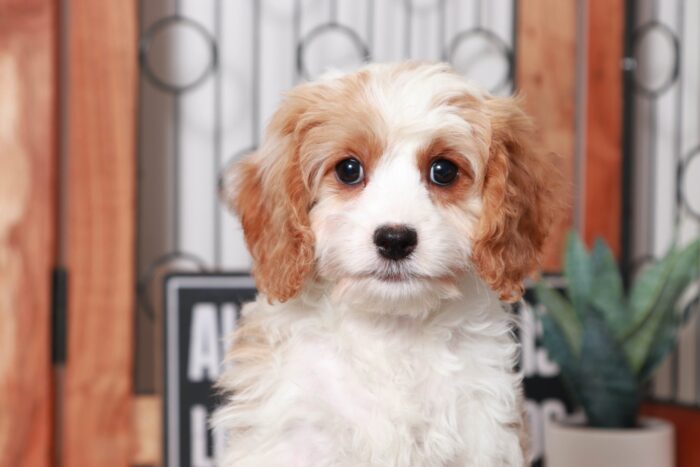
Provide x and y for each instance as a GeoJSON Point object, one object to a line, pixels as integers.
{"type": "Point", "coordinates": [389, 212]}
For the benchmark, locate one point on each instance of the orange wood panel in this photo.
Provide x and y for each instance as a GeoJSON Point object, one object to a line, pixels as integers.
{"type": "Point", "coordinates": [546, 77]}
{"type": "Point", "coordinates": [603, 162]}
{"type": "Point", "coordinates": [148, 430]}
{"type": "Point", "coordinates": [102, 91]}
{"type": "Point", "coordinates": [27, 228]}
{"type": "Point", "coordinates": [687, 424]}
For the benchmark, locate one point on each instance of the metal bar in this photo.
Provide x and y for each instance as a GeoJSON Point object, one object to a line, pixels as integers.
{"type": "Point", "coordinates": [679, 111]}
{"type": "Point", "coordinates": [296, 35]}
{"type": "Point", "coordinates": [442, 24]}
{"type": "Point", "coordinates": [333, 11]}
{"type": "Point", "coordinates": [370, 25]}
{"type": "Point", "coordinates": [675, 358]}
{"type": "Point", "coordinates": [697, 309]}
{"type": "Point", "coordinates": [628, 147]}
{"type": "Point", "coordinates": [257, 45]}
{"type": "Point", "coordinates": [408, 27]}
{"type": "Point", "coordinates": [514, 46]}
{"type": "Point", "coordinates": [175, 193]}
{"type": "Point", "coordinates": [651, 179]}
{"type": "Point", "coordinates": [217, 139]}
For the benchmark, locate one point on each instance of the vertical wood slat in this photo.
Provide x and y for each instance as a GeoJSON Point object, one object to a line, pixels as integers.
{"type": "Point", "coordinates": [148, 430]}
{"type": "Point", "coordinates": [546, 77]}
{"type": "Point", "coordinates": [101, 86]}
{"type": "Point", "coordinates": [686, 422]}
{"type": "Point", "coordinates": [27, 228]}
{"type": "Point", "coordinates": [604, 99]}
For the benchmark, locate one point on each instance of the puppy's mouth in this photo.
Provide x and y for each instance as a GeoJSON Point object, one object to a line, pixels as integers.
{"type": "Point", "coordinates": [395, 276]}
{"type": "Point", "coordinates": [400, 276]}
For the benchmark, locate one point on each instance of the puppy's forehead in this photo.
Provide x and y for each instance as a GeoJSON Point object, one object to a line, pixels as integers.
{"type": "Point", "coordinates": [412, 96]}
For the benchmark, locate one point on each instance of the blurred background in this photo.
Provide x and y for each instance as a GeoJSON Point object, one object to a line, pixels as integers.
{"type": "Point", "coordinates": [117, 119]}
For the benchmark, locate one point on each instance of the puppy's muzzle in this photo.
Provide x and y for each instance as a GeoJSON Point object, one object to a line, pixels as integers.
{"type": "Point", "coordinates": [395, 242]}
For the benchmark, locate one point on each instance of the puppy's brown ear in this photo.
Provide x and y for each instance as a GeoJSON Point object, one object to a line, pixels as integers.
{"type": "Point", "coordinates": [522, 196]}
{"type": "Point", "coordinates": [273, 201]}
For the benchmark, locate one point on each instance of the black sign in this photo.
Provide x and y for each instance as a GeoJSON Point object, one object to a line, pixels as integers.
{"type": "Point", "coordinates": [200, 313]}
{"type": "Point", "coordinates": [544, 392]}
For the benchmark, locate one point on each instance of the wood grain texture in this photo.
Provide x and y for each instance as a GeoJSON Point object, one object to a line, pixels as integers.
{"type": "Point", "coordinates": [148, 430]}
{"type": "Point", "coordinates": [603, 162]}
{"type": "Point", "coordinates": [546, 77]}
{"type": "Point", "coordinates": [102, 79]}
{"type": "Point", "coordinates": [27, 228]}
{"type": "Point", "coordinates": [686, 421]}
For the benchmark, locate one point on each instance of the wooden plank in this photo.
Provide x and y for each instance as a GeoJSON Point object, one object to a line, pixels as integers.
{"type": "Point", "coordinates": [687, 424]}
{"type": "Point", "coordinates": [101, 82]}
{"type": "Point", "coordinates": [603, 162]}
{"type": "Point", "coordinates": [148, 430]}
{"type": "Point", "coordinates": [546, 76]}
{"type": "Point", "coordinates": [27, 228]}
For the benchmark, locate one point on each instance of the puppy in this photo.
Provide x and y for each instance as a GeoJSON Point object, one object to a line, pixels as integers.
{"type": "Point", "coordinates": [388, 213]}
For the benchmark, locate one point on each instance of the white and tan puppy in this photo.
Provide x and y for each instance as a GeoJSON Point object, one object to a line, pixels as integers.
{"type": "Point", "coordinates": [388, 213]}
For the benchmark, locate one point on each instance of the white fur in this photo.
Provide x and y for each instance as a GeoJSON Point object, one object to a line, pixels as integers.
{"type": "Point", "coordinates": [353, 388]}
{"type": "Point", "coordinates": [364, 371]}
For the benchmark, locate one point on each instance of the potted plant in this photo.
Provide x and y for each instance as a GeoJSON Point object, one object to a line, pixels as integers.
{"type": "Point", "coordinates": [607, 344]}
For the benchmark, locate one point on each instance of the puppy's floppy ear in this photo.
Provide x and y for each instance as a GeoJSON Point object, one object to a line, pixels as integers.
{"type": "Point", "coordinates": [272, 201]}
{"type": "Point", "coordinates": [522, 196]}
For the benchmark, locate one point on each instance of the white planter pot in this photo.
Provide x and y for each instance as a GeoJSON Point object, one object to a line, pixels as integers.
{"type": "Point", "coordinates": [568, 443]}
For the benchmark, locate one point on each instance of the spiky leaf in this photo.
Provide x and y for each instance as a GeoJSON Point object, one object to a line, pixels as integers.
{"type": "Point", "coordinates": [578, 271]}
{"type": "Point", "coordinates": [662, 345]}
{"type": "Point", "coordinates": [607, 293]}
{"type": "Point", "coordinates": [556, 343]}
{"type": "Point", "coordinates": [558, 350]}
{"type": "Point", "coordinates": [646, 291]}
{"type": "Point", "coordinates": [680, 269]}
{"type": "Point", "coordinates": [608, 387]}
{"type": "Point", "coordinates": [666, 338]}
{"type": "Point", "coordinates": [562, 312]}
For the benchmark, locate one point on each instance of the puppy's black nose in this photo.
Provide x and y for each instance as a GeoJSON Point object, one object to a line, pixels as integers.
{"type": "Point", "coordinates": [395, 241]}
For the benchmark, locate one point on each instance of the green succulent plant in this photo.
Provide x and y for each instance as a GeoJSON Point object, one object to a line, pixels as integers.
{"type": "Point", "coordinates": [606, 341]}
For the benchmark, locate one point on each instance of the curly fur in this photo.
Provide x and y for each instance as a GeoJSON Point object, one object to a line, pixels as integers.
{"type": "Point", "coordinates": [346, 358]}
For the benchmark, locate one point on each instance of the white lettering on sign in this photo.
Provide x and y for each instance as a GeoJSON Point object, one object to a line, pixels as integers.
{"type": "Point", "coordinates": [534, 360]}
{"type": "Point", "coordinates": [204, 355]}
{"type": "Point", "coordinates": [209, 340]}
{"type": "Point", "coordinates": [198, 437]}
{"type": "Point", "coordinates": [538, 415]}
{"type": "Point", "coordinates": [199, 420]}
{"type": "Point", "coordinates": [228, 324]}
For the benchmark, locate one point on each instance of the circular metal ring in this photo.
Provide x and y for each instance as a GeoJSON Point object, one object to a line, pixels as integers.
{"type": "Point", "coordinates": [158, 27]}
{"type": "Point", "coordinates": [322, 29]}
{"type": "Point", "coordinates": [221, 182]}
{"type": "Point", "coordinates": [423, 5]}
{"type": "Point", "coordinates": [645, 29]}
{"type": "Point", "coordinates": [692, 157]}
{"type": "Point", "coordinates": [491, 37]}
{"type": "Point", "coordinates": [145, 281]}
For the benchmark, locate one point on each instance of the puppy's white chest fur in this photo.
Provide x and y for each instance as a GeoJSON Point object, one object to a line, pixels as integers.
{"type": "Point", "coordinates": [318, 386]}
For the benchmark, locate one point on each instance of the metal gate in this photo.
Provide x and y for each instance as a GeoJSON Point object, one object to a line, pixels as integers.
{"type": "Point", "coordinates": [212, 72]}
{"type": "Point", "coordinates": [662, 158]}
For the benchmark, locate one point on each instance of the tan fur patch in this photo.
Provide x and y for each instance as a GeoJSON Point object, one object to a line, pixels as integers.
{"type": "Point", "coordinates": [446, 147]}
{"type": "Point", "coordinates": [316, 126]}
{"type": "Point", "coordinates": [522, 196]}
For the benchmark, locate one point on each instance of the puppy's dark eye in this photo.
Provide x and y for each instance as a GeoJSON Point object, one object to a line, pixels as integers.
{"type": "Point", "coordinates": [443, 172]}
{"type": "Point", "coordinates": [349, 171]}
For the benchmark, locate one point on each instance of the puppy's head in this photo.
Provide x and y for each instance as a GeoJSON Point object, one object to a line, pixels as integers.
{"type": "Point", "coordinates": [390, 184]}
